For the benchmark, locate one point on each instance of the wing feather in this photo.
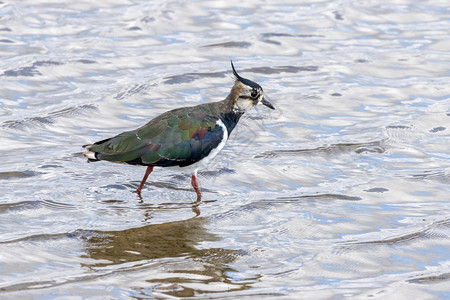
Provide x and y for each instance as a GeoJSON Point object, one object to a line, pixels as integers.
{"type": "Point", "coordinates": [177, 138]}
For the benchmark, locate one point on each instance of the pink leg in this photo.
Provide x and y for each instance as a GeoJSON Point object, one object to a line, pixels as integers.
{"type": "Point", "coordinates": [195, 186]}
{"type": "Point", "coordinates": [147, 172]}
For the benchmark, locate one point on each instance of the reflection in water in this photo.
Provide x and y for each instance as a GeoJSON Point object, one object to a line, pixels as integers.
{"type": "Point", "coordinates": [160, 243]}
{"type": "Point", "coordinates": [172, 239]}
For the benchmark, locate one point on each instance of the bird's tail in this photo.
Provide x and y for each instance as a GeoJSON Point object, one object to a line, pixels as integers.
{"type": "Point", "coordinates": [91, 155]}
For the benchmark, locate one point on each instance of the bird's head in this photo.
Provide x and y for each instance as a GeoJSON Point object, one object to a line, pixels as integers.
{"type": "Point", "coordinates": [246, 93]}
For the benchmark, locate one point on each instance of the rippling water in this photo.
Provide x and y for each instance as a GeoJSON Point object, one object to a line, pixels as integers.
{"type": "Point", "coordinates": [341, 191]}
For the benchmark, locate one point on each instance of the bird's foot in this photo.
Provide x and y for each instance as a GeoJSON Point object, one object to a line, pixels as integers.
{"type": "Point", "coordinates": [196, 188]}
{"type": "Point", "coordinates": [138, 192]}
{"type": "Point", "coordinates": [139, 189]}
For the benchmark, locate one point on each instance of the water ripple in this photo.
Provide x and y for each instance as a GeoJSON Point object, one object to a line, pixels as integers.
{"type": "Point", "coordinates": [336, 149]}
{"type": "Point", "coordinates": [340, 192]}
{"type": "Point", "coordinates": [50, 118]}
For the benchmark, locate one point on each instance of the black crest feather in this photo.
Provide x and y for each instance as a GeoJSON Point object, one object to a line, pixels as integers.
{"type": "Point", "coordinates": [245, 81]}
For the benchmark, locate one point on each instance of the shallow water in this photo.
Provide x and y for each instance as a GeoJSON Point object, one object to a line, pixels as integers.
{"type": "Point", "coordinates": [341, 191]}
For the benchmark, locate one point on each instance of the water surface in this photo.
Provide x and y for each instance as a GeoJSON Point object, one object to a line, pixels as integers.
{"type": "Point", "coordinates": [342, 191]}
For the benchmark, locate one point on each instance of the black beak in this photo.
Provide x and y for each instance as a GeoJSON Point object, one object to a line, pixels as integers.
{"type": "Point", "coordinates": [267, 103]}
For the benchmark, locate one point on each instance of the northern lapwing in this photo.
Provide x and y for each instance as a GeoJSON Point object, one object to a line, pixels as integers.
{"type": "Point", "coordinates": [186, 138]}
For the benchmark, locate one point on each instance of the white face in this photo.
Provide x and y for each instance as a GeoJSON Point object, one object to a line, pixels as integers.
{"type": "Point", "coordinates": [244, 104]}
{"type": "Point", "coordinates": [248, 98]}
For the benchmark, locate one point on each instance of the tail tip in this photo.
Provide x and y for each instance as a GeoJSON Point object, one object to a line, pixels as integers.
{"type": "Point", "coordinates": [90, 155]}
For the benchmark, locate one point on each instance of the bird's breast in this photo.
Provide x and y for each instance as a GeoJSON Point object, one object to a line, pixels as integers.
{"type": "Point", "coordinates": [203, 162]}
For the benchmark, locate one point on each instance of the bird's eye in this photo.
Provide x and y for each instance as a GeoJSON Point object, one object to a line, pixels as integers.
{"type": "Point", "coordinates": [254, 93]}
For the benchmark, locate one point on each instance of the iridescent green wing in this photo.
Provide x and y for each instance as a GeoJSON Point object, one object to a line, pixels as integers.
{"type": "Point", "coordinates": [176, 138]}
{"type": "Point", "coordinates": [187, 136]}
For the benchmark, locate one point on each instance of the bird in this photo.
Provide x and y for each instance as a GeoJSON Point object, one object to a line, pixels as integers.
{"type": "Point", "coordinates": [185, 138]}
